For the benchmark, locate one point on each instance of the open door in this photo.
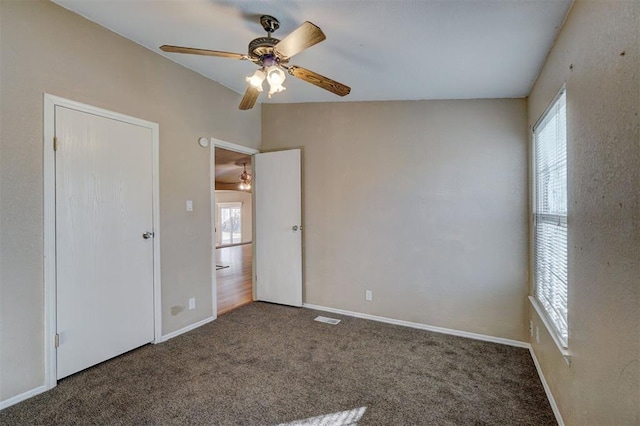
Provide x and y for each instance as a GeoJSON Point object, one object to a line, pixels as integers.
{"type": "Point", "coordinates": [278, 227]}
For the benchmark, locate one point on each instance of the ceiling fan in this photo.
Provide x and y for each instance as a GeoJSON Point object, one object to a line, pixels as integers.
{"type": "Point", "coordinates": [272, 56]}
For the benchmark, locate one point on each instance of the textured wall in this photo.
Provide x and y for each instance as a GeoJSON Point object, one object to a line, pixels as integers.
{"type": "Point", "coordinates": [45, 48]}
{"type": "Point", "coordinates": [597, 54]}
{"type": "Point", "coordinates": [422, 202]}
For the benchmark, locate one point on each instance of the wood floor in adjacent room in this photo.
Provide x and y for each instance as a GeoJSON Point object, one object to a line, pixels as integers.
{"type": "Point", "coordinates": [234, 282]}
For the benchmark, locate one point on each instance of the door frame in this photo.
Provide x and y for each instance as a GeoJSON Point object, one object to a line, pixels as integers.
{"type": "Point", "coordinates": [219, 143]}
{"type": "Point", "coordinates": [50, 291]}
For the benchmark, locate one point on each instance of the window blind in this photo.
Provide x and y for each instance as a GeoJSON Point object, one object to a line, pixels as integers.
{"type": "Point", "coordinates": [550, 215]}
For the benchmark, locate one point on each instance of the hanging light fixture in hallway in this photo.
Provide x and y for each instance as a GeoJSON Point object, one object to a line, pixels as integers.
{"type": "Point", "coordinates": [245, 179]}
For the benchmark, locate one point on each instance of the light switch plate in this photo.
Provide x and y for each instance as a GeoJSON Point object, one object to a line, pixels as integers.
{"type": "Point", "coordinates": [189, 205]}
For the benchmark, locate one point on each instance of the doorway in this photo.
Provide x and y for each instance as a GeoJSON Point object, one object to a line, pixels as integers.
{"type": "Point", "coordinates": [232, 208]}
{"type": "Point", "coordinates": [102, 281]}
{"type": "Point", "coordinates": [276, 235]}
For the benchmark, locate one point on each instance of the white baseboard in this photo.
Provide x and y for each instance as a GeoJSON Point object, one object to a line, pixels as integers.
{"type": "Point", "coordinates": [33, 392]}
{"type": "Point", "coordinates": [19, 398]}
{"type": "Point", "coordinates": [420, 326]}
{"type": "Point", "coordinates": [187, 328]}
{"type": "Point", "coordinates": [450, 331]}
{"type": "Point", "coordinates": [547, 389]}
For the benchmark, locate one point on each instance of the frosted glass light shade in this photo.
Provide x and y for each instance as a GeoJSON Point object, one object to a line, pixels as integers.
{"type": "Point", "coordinates": [256, 79]}
{"type": "Point", "coordinates": [275, 78]}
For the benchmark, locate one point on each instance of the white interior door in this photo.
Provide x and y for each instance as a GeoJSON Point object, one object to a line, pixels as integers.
{"type": "Point", "coordinates": [104, 204]}
{"type": "Point", "coordinates": [278, 227]}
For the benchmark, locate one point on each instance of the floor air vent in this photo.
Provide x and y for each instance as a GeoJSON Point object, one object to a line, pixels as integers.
{"type": "Point", "coordinates": [331, 321]}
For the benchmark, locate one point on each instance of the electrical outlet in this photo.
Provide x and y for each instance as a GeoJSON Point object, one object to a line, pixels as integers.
{"type": "Point", "coordinates": [531, 328]}
{"type": "Point", "coordinates": [537, 335]}
{"type": "Point", "coordinates": [189, 205]}
{"type": "Point", "coordinates": [192, 303]}
{"type": "Point", "coordinates": [368, 295]}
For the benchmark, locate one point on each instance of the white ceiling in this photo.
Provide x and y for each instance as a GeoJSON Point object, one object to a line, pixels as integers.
{"type": "Point", "coordinates": [383, 49]}
{"type": "Point", "coordinates": [230, 165]}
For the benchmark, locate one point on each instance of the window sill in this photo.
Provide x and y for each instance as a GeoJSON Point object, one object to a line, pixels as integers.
{"type": "Point", "coordinates": [566, 355]}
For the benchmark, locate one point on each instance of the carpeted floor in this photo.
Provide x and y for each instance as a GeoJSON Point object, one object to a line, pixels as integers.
{"type": "Point", "coordinates": [266, 364]}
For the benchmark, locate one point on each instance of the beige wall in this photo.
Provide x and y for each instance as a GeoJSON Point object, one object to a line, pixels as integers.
{"type": "Point", "coordinates": [243, 197]}
{"type": "Point", "coordinates": [422, 202]}
{"type": "Point", "coordinates": [602, 385]}
{"type": "Point", "coordinates": [45, 48]}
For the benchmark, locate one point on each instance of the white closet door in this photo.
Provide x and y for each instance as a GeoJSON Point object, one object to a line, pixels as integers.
{"type": "Point", "coordinates": [278, 227]}
{"type": "Point", "coordinates": [104, 205]}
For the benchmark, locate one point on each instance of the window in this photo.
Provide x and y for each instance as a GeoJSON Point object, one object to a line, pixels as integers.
{"type": "Point", "coordinates": [229, 223]}
{"type": "Point", "coordinates": [550, 215]}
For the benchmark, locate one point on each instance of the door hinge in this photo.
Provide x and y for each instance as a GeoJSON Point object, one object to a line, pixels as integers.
{"type": "Point", "coordinates": [55, 143]}
{"type": "Point", "coordinates": [56, 340]}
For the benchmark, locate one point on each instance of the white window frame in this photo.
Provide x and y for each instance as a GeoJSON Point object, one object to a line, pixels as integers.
{"type": "Point", "coordinates": [541, 307]}
{"type": "Point", "coordinates": [219, 207]}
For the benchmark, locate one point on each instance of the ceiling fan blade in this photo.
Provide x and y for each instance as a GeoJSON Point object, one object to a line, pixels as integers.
{"type": "Point", "coordinates": [303, 37]}
{"type": "Point", "coordinates": [205, 52]}
{"type": "Point", "coordinates": [249, 99]}
{"type": "Point", "coordinates": [319, 80]}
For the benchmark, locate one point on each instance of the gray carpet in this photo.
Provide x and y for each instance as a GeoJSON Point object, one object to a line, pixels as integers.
{"type": "Point", "coordinates": [266, 364]}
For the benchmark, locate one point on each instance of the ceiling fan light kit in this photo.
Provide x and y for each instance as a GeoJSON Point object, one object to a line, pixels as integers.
{"type": "Point", "coordinates": [272, 56]}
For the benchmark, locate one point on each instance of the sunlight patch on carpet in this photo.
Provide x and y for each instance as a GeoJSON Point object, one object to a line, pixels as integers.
{"type": "Point", "coordinates": [341, 418]}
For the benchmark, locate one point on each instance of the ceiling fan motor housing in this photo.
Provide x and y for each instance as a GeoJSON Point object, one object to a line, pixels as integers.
{"type": "Point", "coordinates": [261, 46]}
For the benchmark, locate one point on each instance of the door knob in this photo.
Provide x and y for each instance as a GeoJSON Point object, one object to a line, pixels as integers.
{"type": "Point", "coordinates": [147, 235]}
{"type": "Point", "coordinates": [295, 227]}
